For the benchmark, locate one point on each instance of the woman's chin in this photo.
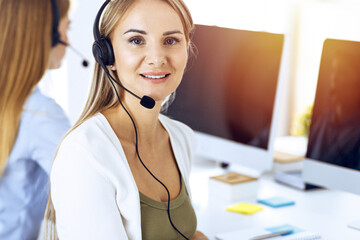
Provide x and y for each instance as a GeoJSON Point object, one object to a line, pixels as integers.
{"type": "Point", "coordinates": [156, 96]}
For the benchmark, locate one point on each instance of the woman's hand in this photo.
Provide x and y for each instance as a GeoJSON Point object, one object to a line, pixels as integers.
{"type": "Point", "coordinates": [199, 236]}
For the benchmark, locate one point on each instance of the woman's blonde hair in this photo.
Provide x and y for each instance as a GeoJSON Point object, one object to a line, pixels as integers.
{"type": "Point", "coordinates": [102, 96]}
{"type": "Point", "coordinates": [25, 45]}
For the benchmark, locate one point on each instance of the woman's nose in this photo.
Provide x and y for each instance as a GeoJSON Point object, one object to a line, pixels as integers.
{"type": "Point", "coordinates": [155, 56]}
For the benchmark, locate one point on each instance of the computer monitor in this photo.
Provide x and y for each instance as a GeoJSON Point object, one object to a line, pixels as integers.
{"type": "Point", "coordinates": [333, 153]}
{"type": "Point", "coordinates": [228, 95]}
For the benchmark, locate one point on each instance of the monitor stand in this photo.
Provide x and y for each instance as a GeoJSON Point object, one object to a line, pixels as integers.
{"type": "Point", "coordinates": [293, 179]}
{"type": "Point", "coordinates": [355, 225]}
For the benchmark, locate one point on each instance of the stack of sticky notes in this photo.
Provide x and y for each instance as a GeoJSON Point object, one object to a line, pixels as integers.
{"type": "Point", "coordinates": [276, 202]}
{"type": "Point", "coordinates": [245, 208]}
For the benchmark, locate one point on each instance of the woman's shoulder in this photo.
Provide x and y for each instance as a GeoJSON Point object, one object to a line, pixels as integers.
{"type": "Point", "coordinates": [91, 132]}
{"type": "Point", "coordinates": [91, 145]}
{"type": "Point", "coordinates": [45, 123]}
{"type": "Point", "coordinates": [43, 106]}
{"type": "Point", "coordinates": [95, 140]}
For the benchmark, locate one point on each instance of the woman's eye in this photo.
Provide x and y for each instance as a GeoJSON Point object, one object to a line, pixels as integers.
{"type": "Point", "coordinates": [171, 41]}
{"type": "Point", "coordinates": [136, 41]}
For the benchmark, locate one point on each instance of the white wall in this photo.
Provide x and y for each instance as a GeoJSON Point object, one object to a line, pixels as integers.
{"type": "Point", "coordinates": [318, 20]}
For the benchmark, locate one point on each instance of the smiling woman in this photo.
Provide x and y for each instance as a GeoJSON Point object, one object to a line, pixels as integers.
{"type": "Point", "coordinates": [130, 165]}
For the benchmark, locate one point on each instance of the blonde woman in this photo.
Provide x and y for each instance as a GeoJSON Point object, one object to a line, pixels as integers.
{"type": "Point", "coordinates": [31, 125]}
{"type": "Point", "coordinates": [109, 176]}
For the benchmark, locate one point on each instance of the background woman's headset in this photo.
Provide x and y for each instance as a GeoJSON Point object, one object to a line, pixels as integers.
{"type": "Point", "coordinates": [55, 35]}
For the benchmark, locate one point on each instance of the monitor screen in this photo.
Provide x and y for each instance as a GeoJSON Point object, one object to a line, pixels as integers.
{"type": "Point", "coordinates": [228, 94]}
{"type": "Point", "coordinates": [334, 135]}
{"type": "Point", "coordinates": [333, 154]}
{"type": "Point", "coordinates": [229, 90]}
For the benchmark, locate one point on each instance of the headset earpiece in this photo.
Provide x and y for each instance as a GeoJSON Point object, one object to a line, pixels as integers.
{"type": "Point", "coordinates": [103, 51]}
{"type": "Point", "coordinates": [55, 40]}
{"type": "Point", "coordinates": [102, 48]}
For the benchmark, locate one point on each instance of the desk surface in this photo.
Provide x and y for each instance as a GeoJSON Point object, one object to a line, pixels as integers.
{"type": "Point", "coordinates": [322, 211]}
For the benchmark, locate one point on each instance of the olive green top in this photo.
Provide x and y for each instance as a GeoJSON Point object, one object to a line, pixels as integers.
{"type": "Point", "coordinates": [155, 223]}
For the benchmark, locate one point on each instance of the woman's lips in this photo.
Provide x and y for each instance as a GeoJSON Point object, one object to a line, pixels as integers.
{"type": "Point", "coordinates": [155, 77]}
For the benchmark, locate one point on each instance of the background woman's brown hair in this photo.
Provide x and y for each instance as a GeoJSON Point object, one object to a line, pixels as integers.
{"type": "Point", "coordinates": [25, 45]}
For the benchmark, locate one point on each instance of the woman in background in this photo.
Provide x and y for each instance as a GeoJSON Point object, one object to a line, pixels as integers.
{"type": "Point", "coordinates": [100, 188]}
{"type": "Point", "coordinates": [31, 125]}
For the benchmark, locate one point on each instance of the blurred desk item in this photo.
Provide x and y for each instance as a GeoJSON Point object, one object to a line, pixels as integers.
{"type": "Point", "coordinates": [293, 179]}
{"type": "Point", "coordinates": [289, 153]}
{"type": "Point", "coordinates": [233, 186]}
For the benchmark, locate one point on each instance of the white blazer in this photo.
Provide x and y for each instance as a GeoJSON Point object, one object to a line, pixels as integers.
{"type": "Point", "coordinates": [92, 188]}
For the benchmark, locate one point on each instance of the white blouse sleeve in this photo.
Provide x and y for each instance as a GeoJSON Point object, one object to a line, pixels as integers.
{"type": "Point", "coordinates": [83, 198]}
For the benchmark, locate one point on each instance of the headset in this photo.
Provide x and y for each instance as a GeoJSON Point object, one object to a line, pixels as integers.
{"type": "Point", "coordinates": [55, 35]}
{"type": "Point", "coordinates": [102, 47]}
{"type": "Point", "coordinates": [104, 54]}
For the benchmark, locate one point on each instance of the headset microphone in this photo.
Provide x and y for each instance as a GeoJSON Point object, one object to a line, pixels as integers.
{"type": "Point", "coordinates": [145, 101]}
{"type": "Point", "coordinates": [85, 62]}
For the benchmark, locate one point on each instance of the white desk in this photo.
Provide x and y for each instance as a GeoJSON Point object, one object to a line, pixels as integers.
{"type": "Point", "coordinates": [322, 211]}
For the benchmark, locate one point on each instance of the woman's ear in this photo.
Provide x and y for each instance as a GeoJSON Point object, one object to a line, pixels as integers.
{"type": "Point", "coordinates": [112, 67]}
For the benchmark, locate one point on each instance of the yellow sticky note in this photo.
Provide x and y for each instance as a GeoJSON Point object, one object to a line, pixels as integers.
{"type": "Point", "coordinates": [245, 208]}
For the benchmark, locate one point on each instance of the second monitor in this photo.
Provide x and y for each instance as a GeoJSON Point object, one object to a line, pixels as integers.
{"type": "Point", "coordinates": [333, 154]}
{"type": "Point", "coordinates": [229, 95]}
